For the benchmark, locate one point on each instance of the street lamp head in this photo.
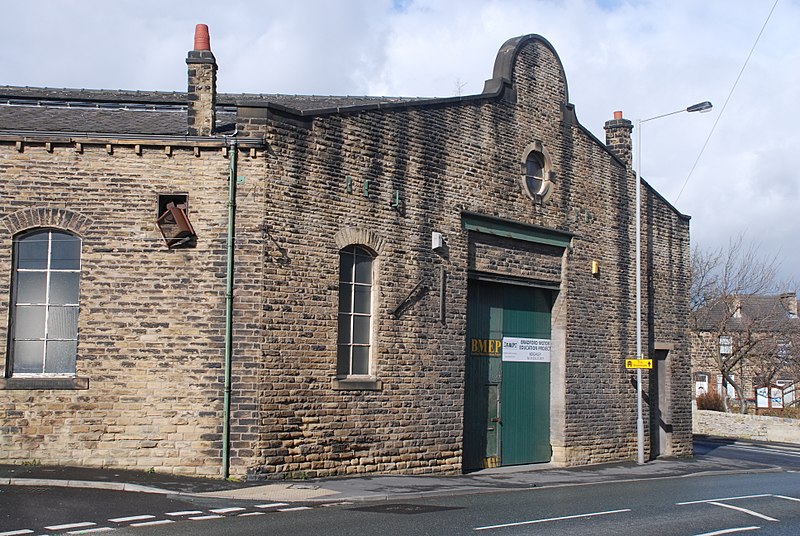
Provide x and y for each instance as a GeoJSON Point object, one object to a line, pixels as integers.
{"type": "Point", "coordinates": [701, 107]}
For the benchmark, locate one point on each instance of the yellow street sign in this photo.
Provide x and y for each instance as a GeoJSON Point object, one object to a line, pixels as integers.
{"type": "Point", "coordinates": [638, 363]}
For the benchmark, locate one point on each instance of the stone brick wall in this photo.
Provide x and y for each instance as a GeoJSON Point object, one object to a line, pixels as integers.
{"type": "Point", "coordinates": [738, 426]}
{"type": "Point", "coordinates": [151, 320]}
{"type": "Point", "coordinates": [443, 159]}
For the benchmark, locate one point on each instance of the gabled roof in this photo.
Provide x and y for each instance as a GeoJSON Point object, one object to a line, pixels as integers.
{"type": "Point", "coordinates": [748, 311]}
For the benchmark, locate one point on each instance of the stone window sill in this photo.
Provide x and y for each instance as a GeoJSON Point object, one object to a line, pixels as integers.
{"type": "Point", "coordinates": [42, 383]}
{"type": "Point", "coordinates": [356, 384]}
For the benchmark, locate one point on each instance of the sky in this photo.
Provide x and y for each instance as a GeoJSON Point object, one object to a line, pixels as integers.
{"type": "Point", "coordinates": [642, 57]}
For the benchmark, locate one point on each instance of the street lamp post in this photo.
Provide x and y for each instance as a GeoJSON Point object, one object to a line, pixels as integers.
{"type": "Point", "coordinates": [704, 106]}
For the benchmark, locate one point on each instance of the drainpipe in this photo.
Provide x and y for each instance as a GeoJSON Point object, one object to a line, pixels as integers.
{"type": "Point", "coordinates": [226, 418]}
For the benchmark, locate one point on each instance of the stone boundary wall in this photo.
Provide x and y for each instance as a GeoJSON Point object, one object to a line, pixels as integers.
{"type": "Point", "coordinates": [735, 425]}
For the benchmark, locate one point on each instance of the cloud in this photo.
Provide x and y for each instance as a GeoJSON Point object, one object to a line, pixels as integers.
{"type": "Point", "coordinates": [644, 57]}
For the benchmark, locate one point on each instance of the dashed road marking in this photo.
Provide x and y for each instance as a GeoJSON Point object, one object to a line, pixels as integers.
{"type": "Point", "coordinates": [71, 525]}
{"type": "Point", "coordinates": [152, 523]}
{"type": "Point", "coordinates": [534, 521]}
{"type": "Point", "coordinates": [145, 520]}
{"type": "Point", "coordinates": [184, 513]}
{"type": "Point", "coordinates": [728, 531]}
{"type": "Point", "coordinates": [131, 518]}
{"type": "Point", "coordinates": [227, 510]}
{"type": "Point", "coordinates": [725, 499]}
{"type": "Point", "coordinates": [294, 509]}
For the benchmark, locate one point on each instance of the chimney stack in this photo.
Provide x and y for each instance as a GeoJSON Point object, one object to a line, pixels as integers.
{"type": "Point", "coordinates": [618, 138]}
{"type": "Point", "coordinates": [202, 88]}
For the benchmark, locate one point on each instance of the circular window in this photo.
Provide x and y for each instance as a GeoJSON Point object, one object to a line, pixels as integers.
{"type": "Point", "coordinates": [537, 178]}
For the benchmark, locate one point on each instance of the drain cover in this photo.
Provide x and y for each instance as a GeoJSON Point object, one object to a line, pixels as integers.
{"type": "Point", "coordinates": [404, 508]}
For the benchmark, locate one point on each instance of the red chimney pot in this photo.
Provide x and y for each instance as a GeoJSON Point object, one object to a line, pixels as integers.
{"type": "Point", "coordinates": [618, 115]}
{"type": "Point", "coordinates": [201, 39]}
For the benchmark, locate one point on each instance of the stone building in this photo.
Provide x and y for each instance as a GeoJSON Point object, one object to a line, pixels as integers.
{"type": "Point", "coordinates": [268, 285]}
{"type": "Point", "coordinates": [744, 347]}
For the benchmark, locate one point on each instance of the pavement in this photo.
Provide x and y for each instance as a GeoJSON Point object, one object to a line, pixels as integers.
{"type": "Point", "coordinates": [372, 487]}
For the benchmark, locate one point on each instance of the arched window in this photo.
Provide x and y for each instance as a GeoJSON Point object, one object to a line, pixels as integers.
{"type": "Point", "coordinates": [355, 312]}
{"type": "Point", "coordinates": [44, 306]}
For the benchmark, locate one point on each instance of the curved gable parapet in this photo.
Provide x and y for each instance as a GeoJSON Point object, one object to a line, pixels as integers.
{"type": "Point", "coordinates": [504, 75]}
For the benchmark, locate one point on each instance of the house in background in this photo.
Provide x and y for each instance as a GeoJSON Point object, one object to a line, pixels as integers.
{"type": "Point", "coordinates": [749, 342]}
{"type": "Point", "coordinates": [258, 285]}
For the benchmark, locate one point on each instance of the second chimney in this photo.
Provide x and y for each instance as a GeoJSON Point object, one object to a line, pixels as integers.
{"type": "Point", "coordinates": [618, 138]}
{"type": "Point", "coordinates": [202, 88]}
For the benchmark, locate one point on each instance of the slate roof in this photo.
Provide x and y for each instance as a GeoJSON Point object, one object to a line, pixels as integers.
{"type": "Point", "coordinates": [100, 111]}
{"type": "Point", "coordinates": [762, 312]}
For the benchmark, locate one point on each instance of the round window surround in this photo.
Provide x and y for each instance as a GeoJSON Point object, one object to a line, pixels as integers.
{"type": "Point", "coordinates": [537, 178]}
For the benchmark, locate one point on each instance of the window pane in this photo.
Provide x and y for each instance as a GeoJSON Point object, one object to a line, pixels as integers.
{"type": "Point", "coordinates": [62, 323]}
{"type": "Point", "coordinates": [362, 302]}
{"type": "Point", "coordinates": [344, 329]}
{"type": "Point", "coordinates": [29, 322]}
{"type": "Point", "coordinates": [64, 287]}
{"type": "Point", "coordinates": [32, 251]}
{"type": "Point", "coordinates": [534, 184]}
{"type": "Point", "coordinates": [345, 297]}
{"type": "Point", "coordinates": [343, 360]}
{"type": "Point", "coordinates": [360, 360]}
{"type": "Point", "coordinates": [361, 329]}
{"type": "Point", "coordinates": [65, 252]}
{"type": "Point", "coordinates": [60, 357]}
{"type": "Point", "coordinates": [31, 287]}
{"type": "Point", "coordinates": [28, 357]}
{"type": "Point", "coordinates": [534, 166]}
{"type": "Point", "coordinates": [345, 265]}
{"type": "Point", "coordinates": [363, 269]}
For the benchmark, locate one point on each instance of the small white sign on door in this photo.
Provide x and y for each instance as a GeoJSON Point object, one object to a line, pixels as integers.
{"type": "Point", "coordinates": [526, 350]}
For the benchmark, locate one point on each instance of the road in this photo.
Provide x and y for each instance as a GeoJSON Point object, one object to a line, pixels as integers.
{"type": "Point", "coordinates": [764, 503]}
{"type": "Point", "coordinates": [708, 504]}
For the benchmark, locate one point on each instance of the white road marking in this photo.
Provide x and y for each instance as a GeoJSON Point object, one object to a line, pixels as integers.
{"type": "Point", "coordinates": [725, 499]}
{"type": "Point", "coordinates": [201, 518]}
{"type": "Point", "coordinates": [295, 509]}
{"type": "Point", "coordinates": [766, 450]}
{"type": "Point", "coordinates": [532, 522]}
{"type": "Point", "coordinates": [787, 498]}
{"type": "Point", "coordinates": [131, 518]}
{"type": "Point", "coordinates": [185, 513]}
{"type": "Point", "coordinates": [248, 514]}
{"type": "Point", "coordinates": [271, 505]}
{"type": "Point", "coordinates": [16, 532]}
{"type": "Point", "coordinates": [227, 510]}
{"type": "Point", "coordinates": [88, 531]}
{"type": "Point", "coordinates": [743, 510]}
{"type": "Point", "coordinates": [152, 523]}
{"type": "Point", "coordinates": [728, 531]}
{"type": "Point", "coordinates": [71, 526]}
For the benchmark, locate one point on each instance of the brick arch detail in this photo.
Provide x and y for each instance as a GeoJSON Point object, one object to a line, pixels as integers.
{"type": "Point", "coordinates": [59, 218]}
{"type": "Point", "coordinates": [365, 237]}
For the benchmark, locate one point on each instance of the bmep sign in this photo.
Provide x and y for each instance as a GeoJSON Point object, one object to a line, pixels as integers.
{"type": "Point", "coordinates": [526, 350]}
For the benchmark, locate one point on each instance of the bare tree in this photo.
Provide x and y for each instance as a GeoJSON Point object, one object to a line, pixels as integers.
{"type": "Point", "coordinates": [739, 317]}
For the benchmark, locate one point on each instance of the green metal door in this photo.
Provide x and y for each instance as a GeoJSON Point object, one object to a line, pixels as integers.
{"type": "Point", "coordinates": [506, 401]}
